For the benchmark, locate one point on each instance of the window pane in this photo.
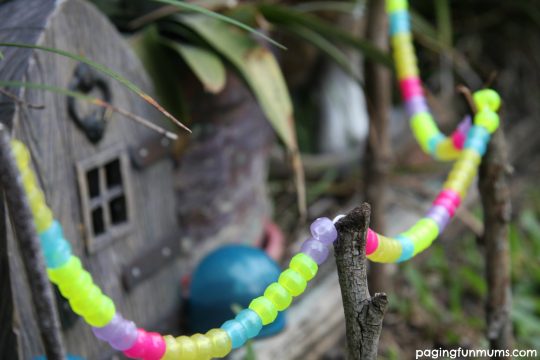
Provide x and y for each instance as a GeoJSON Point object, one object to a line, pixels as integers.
{"type": "Point", "coordinates": [117, 207]}
{"type": "Point", "coordinates": [113, 173]}
{"type": "Point", "coordinates": [92, 179]}
{"type": "Point", "coordinates": [98, 223]}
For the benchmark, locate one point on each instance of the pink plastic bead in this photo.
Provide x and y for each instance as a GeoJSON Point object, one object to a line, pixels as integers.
{"type": "Point", "coordinates": [411, 87]}
{"type": "Point", "coordinates": [372, 242]}
{"type": "Point", "coordinates": [148, 346]}
{"type": "Point", "coordinates": [458, 139]}
{"type": "Point", "coordinates": [449, 199]}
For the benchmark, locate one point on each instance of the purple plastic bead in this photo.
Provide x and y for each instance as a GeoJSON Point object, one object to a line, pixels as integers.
{"type": "Point", "coordinates": [440, 215]}
{"type": "Point", "coordinates": [415, 105]}
{"type": "Point", "coordinates": [323, 229]}
{"type": "Point", "coordinates": [465, 125]}
{"type": "Point", "coordinates": [315, 250]}
{"type": "Point", "coordinates": [119, 333]}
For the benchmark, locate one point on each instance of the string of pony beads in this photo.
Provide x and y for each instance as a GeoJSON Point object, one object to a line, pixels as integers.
{"type": "Point", "coordinates": [467, 144]}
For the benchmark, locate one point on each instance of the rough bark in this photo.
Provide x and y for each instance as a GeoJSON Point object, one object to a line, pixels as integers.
{"type": "Point", "coordinates": [363, 314]}
{"type": "Point", "coordinates": [378, 158]}
{"type": "Point", "coordinates": [21, 217]}
{"type": "Point", "coordinates": [495, 194]}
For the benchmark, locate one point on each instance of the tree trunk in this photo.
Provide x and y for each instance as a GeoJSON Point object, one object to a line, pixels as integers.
{"type": "Point", "coordinates": [363, 314]}
{"type": "Point", "coordinates": [378, 158]}
{"type": "Point", "coordinates": [495, 194]}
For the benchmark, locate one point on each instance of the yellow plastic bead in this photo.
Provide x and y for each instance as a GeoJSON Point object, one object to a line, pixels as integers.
{"type": "Point", "coordinates": [401, 40]}
{"type": "Point", "coordinates": [221, 343]}
{"type": "Point", "coordinates": [487, 119]}
{"type": "Point", "coordinates": [293, 282]}
{"type": "Point", "coordinates": [278, 295]}
{"type": "Point", "coordinates": [172, 348]}
{"type": "Point", "coordinates": [304, 265]}
{"type": "Point", "coordinates": [396, 5]}
{"type": "Point", "coordinates": [446, 151]}
{"type": "Point", "coordinates": [203, 346]}
{"type": "Point", "coordinates": [471, 155]}
{"type": "Point", "coordinates": [457, 186]}
{"type": "Point", "coordinates": [388, 251]}
{"type": "Point", "coordinates": [188, 348]}
{"type": "Point", "coordinates": [22, 156]}
{"type": "Point", "coordinates": [487, 98]}
{"type": "Point", "coordinates": [266, 310]}
{"type": "Point", "coordinates": [43, 218]}
{"type": "Point", "coordinates": [28, 178]}
{"type": "Point", "coordinates": [36, 199]}
{"type": "Point", "coordinates": [424, 128]}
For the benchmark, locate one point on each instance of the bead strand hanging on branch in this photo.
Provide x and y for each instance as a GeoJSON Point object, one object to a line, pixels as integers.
{"type": "Point", "coordinates": [467, 144]}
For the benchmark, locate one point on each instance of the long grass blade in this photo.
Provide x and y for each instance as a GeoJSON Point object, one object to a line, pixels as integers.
{"type": "Point", "coordinates": [93, 100]}
{"type": "Point", "coordinates": [131, 86]}
{"type": "Point", "coordinates": [287, 16]}
{"type": "Point", "coordinates": [213, 14]}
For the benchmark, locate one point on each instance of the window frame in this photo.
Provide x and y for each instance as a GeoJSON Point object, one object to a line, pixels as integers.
{"type": "Point", "coordinates": [112, 232]}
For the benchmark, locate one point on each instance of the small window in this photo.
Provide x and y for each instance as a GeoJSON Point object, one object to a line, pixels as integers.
{"type": "Point", "coordinates": [105, 198]}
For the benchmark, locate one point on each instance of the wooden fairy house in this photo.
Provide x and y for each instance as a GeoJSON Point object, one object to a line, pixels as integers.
{"type": "Point", "coordinates": [108, 180]}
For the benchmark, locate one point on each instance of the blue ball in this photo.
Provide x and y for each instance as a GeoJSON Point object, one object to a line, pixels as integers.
{"type": "Point", "coordinates": [230, 275]}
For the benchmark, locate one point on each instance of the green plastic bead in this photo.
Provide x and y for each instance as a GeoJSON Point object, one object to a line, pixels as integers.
{"type": "Point", "coordinates": [103, 313]}
{"type": "Point", "coordinates": [487, 119]}
{"type": "Point", "coordinates": [203, 345]}
{"type": "Point", "coordinates": [396, 5]}
{"type": "Point", "coordinates": [293, 282]}
{"type": "Point", "coordinates": [487, 98]}
{"type": "Point", "coordinates": [304, 265]}
{"type": "Point", "coordinates": [221, 343]}
{"type": "Point", "coordinates": [265, 308]}
{"type": "Point", "coordinates": [66, 272]}
{"type": "Point", "coordinates": [424, 128]}
{"type": "Point", "coordinates": [278, 295]}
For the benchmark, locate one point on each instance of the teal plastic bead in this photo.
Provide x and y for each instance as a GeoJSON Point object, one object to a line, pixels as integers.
{"type": "Point", "coordinates": [59, 255]}
{"type": "Point", "coordinates": [50, 237]}
{"type": "Point", "coordinates": [236, 331]}
{"type": "Point", "coordinates": [56, 249]}
{"type": "Point", "coordinates": [407, 245]}
{"type": "Point", "coordinates": [250, 321]}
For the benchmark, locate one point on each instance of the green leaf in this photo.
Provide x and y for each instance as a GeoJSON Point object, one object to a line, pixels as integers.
{"type": "Point", "coordinates": [206, 65]}
{"type": "Point", "coordinates": [102, 68]}
{"type": "Point", "coordinates": [258, 66]}
{"type": "Point", "coordinates": [281, 15]}
{"type": "Point", "coordinates": [215, 15]}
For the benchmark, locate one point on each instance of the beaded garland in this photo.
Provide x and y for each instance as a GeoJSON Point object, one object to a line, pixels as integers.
{"type": "Point", "coordinates": [467, 144]}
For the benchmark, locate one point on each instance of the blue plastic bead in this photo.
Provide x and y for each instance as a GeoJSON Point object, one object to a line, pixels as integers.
{"type": "Point", "coordinates": [251, 322]}
{"type": "Point", "coordinates": [408, 248]}
{"type": "Point", "coordinates": [399, 22]}
{"type": "Point", "coordinates": [434, 141]}
{"type": "Point", "coordinates": [236, 332]}
{"type": "Point", "coordinates": [55, 258]}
